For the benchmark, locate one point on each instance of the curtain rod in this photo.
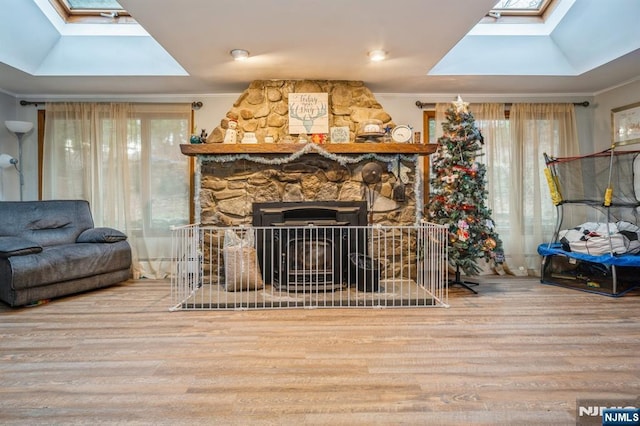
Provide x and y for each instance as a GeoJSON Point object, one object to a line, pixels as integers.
{"type": "Point", "coordinates": [25, 103]}
{"type": "Point", "coordinates": [194, 105]}
{"type": "Point", "coordinates": [507, 105]}
{"type": "Point", "coordinates": [419, 104]}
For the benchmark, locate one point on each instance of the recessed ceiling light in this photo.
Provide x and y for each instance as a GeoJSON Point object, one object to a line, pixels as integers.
{"type": "Point", "coordinates": [239, 54]}
{"type": "Point", "coordinates": [377, 55]}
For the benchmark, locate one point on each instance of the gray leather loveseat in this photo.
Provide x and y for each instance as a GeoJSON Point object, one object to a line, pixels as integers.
{"type": "Point", "coordinates": [50, 249]}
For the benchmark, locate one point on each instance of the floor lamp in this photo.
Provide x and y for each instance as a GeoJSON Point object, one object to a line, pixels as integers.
{"type": "Point", "coordinates": [20, 128]}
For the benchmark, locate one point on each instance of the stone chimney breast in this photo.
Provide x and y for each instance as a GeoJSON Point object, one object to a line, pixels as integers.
{"type": "Point", "coordinates": [263, 107]}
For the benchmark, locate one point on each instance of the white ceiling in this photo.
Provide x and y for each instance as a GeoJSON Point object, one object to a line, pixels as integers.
{"type": "Point", "coordinates": [435, 46]}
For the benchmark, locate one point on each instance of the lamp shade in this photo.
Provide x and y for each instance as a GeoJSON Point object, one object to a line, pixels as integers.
{"type": "Point", "coordinates": [7, 161]}
{"type": "Point", "coordinates": [18, 126]}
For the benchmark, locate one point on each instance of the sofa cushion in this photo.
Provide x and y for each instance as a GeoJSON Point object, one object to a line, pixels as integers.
{"type": "Point", "coordinates": [101, 235]}
{"type": "Point", "coordinates": [47, 223]}
{"type": "Point", "coordinates": [16, 246]}
{"type": "Point", "coordinates": [67, 262]}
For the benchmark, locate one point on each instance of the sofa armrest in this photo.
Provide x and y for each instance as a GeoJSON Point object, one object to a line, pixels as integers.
{"type": "Point", "coordinates": [16, 246]}
{"type": "Point", "coordinates": [101, 235]}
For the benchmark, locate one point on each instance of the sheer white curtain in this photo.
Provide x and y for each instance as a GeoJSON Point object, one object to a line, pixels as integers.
{"type": "Point", "coordinates": [125, 160]}
{"type": "Point", "coordinates": [496, 155]}
{"type": "Point", "coordinates": [537, 129]}
{"type": "Point", "coordinates": [517, 190]}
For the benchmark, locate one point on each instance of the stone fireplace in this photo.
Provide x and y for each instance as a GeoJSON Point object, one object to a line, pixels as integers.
{"type": "Point", "coordinates": [240, 185]}
{"type": "Point", "coordinates": [229, 178]}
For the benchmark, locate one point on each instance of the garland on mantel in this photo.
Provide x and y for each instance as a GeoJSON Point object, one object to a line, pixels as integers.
{"type": "Point", "coordinates": [306, 149]}
{"type": "Point", "coordinates": [340, 159]}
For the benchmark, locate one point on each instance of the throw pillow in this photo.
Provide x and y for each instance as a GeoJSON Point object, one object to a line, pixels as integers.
{"type": "Point", "coordinates": [101, 235]}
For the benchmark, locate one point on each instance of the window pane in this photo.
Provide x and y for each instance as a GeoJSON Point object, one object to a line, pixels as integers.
{"type": "Point", "coordinates": [70, 149]}
{"type": "Point", "coordinates": [134, 155]}
{"type": "Point", "coordinates": [169, 175]}
{"type": "Point", "coordinates": [159, 173]}
{"type": "Point", "coordinates": [94, 4]}
{"type": "Point", "coordinates": [432, 130]}
{"type": "Point", "coordinates": [519, 4]}
{"type": "Point", "coordinates": [499, 175]}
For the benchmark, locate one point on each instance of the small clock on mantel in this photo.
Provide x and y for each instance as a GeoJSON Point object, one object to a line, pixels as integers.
{"type": "Point", "coordinates": [401, 133]}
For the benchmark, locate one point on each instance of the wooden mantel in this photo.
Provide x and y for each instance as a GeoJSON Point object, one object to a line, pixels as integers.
{"type": "Point", "coordinates": [290, 148]}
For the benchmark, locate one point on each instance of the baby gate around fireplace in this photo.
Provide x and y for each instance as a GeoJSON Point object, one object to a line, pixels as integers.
{"type": "Point", "coordinates": [317, 266]}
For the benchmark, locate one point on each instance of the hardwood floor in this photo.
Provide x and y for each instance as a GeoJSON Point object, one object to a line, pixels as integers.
{"type": "Point", "coordinates": [517, 353]}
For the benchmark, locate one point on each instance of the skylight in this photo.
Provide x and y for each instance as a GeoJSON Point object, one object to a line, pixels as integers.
{"type": "Point", "coordinates": [547, 45]}
{"type": "Point", "coordinates": [521, 7]}
{"type": "Point", "coordinates": [88, 46]}
{"type": "Point", "coordinates": [83, 11]}
{"type": "Point", "coordinates": [94, 5]}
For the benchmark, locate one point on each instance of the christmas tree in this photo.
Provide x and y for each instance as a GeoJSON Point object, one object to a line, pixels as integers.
{"type": "Point", "coordinates": [458, 195]}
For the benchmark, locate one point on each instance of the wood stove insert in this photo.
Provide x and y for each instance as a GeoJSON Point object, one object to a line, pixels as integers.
{"type": "Point", "coordinates": [305, 246]}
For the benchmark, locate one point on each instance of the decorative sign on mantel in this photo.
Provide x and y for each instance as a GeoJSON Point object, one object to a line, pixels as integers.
{"type": "Point", "coordinates": [340, 134]}
{"type": "Point", "coordinates": [308, 113]}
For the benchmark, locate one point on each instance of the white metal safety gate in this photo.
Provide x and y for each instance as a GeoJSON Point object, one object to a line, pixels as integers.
{"type": "Point", "coordinates": [308, 267]}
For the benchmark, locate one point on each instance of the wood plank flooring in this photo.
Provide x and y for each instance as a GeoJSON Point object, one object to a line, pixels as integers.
{"type": "Point", "coordinates": [517, 353]}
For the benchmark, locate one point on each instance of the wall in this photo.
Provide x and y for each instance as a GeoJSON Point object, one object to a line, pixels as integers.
{"type": "Point", "coordinates": [403, 110]}
{"type": "Point", "coordinates": [6, 146]}
{"type": "Point", "coordinates": [593, 122]}
{"type": "Point", "coordinates": [10, 109]}
{"type": "Point", "coordinates": [606, 101]}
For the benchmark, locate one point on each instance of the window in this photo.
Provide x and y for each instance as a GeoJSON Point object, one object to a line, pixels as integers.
{"type": "Point", "coordinates": [429, 128]}
{"type": "Point", "coordinates": [521, 7]}
{"type": "Point", "coordinates": [89, 161]}
{"type": "Point", "coordinates": [495, 156]}
{"type": "Point", "coordinates": [429, 125]}
{"type": "Point", "coordinates": [92, 11]}
{"type": "Point", "coordinates": [81, 5]}
{"type": "Point", "coordinates": [154, 152]}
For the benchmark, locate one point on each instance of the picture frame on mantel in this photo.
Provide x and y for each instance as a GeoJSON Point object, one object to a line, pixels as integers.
{"type": "Point", "coordinates": [340, 134]}
{"type": "Point", "coordinates": [625, 124]}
